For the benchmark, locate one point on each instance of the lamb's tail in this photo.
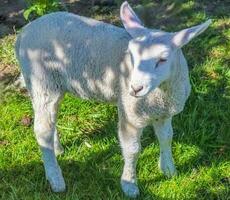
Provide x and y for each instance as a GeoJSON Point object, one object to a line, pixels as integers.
{"type": "Point", "coordinates": [20, 82]}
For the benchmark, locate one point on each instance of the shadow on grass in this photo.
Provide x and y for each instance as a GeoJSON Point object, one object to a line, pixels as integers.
{"type": "Point", "coordinates": [95, 178]}
{"type": "Point", "coordinates": [11, 17]}
{"type": "Point", "coordinates": [85, 180]}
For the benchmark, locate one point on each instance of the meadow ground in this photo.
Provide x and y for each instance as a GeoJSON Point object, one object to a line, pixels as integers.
{"type": "Point", "coordinates": [92, 162]}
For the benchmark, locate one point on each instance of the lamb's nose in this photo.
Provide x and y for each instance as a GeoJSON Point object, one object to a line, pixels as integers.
{"type": "Point", "coordinates": [135, 90]}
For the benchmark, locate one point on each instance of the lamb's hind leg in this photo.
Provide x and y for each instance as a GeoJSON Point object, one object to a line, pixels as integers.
{"type": "Point", "coordinates": [129, 137]}
{"type": "Point", "coordinates": [164, 133]}
{"type": "Point", "coordinates": [45, 109]}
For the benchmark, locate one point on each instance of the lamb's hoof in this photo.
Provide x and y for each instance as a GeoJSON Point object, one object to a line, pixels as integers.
{"type": "Point", "coordinates": [169, 173]}
{"type": "Point", "coordinates": [57, 184]}
{"type": "Point", "coordinates": [58, 150]}
{"type": "Point", "coordinates": [130, 189]}
{"type": "Point", "coordinates": [168, 169]}
{"type": "Point", "coordinates": [56, 179]}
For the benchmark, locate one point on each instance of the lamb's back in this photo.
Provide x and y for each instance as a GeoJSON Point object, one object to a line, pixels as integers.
{"type": "Point", "coordinates": [86, 53]}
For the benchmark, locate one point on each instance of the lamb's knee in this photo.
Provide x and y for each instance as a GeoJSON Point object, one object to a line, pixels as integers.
{"type": "Point", "coordinates": [44, 133]}
{"type": "Point", "coordinates": [165, 137]}
{"type": "Point", "coordinates": [129, 137]}
{"type": "Point", "coordinates": [132, 148]}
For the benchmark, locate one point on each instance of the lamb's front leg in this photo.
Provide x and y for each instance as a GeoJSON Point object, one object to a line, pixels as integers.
{"type": "Point", "coordinates": [164, 133]}
{"type": "Point", "coordinates": [130, 143]}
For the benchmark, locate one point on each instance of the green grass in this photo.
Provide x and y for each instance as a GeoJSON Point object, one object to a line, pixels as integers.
{"type": "Point", "coordinates": [92, 162]}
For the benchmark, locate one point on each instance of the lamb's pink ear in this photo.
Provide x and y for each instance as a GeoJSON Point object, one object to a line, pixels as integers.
{"type": "Point", "coordinates": [130, 21]}
{"type": "Point", "coordinates": [184, 36]}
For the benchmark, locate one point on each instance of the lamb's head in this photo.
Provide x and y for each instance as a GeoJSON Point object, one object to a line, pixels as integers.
{"type": "Point", "coordinates": [152, 51]}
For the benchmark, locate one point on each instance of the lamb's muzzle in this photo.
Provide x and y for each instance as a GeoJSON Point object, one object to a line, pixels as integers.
{"type": "Point", "coordinates": [135, 90]}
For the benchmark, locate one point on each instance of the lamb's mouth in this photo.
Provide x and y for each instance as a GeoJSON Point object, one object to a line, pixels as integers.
{"type": "Point", "coordinates": [141, 93]}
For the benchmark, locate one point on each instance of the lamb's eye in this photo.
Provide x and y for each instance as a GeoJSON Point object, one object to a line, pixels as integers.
{"type": "Point", "coordinates": [160, 61]}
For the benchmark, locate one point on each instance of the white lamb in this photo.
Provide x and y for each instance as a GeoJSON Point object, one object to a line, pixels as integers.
{"type": "Point", "coordinates": [142, 70]}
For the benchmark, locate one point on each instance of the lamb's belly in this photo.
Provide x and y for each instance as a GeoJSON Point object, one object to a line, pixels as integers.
{"type": "Point", "coordinates": [94, 89]}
